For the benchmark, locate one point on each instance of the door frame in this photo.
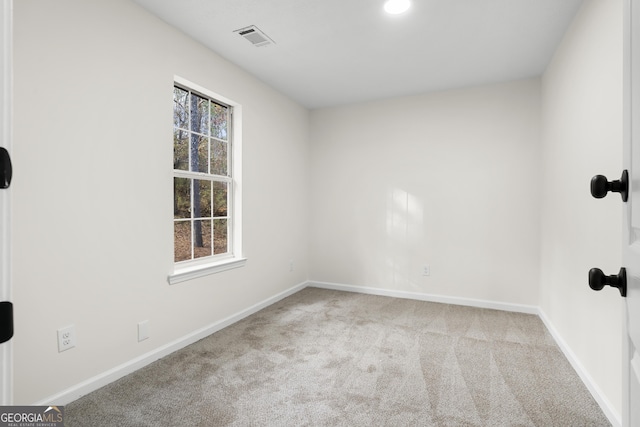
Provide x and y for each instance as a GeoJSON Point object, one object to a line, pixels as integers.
{"type": "Point", "coordinates": [630, 241]}
{"type": "Point", "coordinates": [6, 137]}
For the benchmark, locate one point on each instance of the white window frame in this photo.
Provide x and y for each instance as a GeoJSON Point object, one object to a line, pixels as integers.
{"type": "Point", "coordinates": [187, 270]}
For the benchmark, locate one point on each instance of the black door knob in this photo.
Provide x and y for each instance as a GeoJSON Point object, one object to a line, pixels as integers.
{"type": "Point", "coordinates": [598, 280]}
{"type": "Point", "coordinates": [600, 186]}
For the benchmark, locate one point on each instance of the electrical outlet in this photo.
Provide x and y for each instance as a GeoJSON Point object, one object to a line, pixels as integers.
{"type": "Point", "coordinates": [291, 265]}
{"type": "Point", "coordinates": [66, 338]}
{"type": "Point", "coordinates": [143, 330]}
{"type": "Point", "coordinates": [426, 270]}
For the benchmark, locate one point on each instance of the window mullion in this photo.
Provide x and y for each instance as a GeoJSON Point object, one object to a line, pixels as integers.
{"type": "Point", "coordinates": [190, 132]}
{"type": "Point", "coordinates": [178, 173]}
{"type": "Point", "coordinates": [229, 216]}
{"type": "Point", "coordinates": [192, 223]}
{"type": "Point", "coordinates": [230, 170]}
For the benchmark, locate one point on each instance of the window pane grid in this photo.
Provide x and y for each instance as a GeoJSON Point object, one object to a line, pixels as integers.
{"type": "Point", "coordinates": [202, 183]}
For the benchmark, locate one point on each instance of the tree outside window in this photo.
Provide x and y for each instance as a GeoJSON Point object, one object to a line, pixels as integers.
{"type": "Point", "coordinates": [202, 176]}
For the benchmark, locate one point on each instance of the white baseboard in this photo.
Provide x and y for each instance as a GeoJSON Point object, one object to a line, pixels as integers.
{"type": "Point", "coordinates": [603, 402]}
{"type": "Point", "coordinates": [518, 308]}
{"type": "Point", "coordinates": [94, 383]}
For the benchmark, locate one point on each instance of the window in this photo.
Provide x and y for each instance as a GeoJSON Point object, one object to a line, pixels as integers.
{"type": "Point", "coordinates": [205, 183]}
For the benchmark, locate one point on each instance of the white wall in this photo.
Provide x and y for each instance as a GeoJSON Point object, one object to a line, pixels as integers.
{"type": "Point", "coordinates": [448, 179]}
{"type": "Point", "coordinates": [582, 137]}
{"type": "Point", "coordinates": [451, 179]}
{"type": "Point", "coordinates": [92, 213]}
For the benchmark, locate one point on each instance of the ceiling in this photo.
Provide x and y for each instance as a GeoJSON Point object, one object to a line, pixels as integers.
{"type": "Point", "coordinates": [333, 52]}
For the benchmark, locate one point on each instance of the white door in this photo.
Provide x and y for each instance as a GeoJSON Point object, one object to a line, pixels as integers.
{"type": "Point", "coordinates": [631, 223]}
{"type": "Point", "coordinates": [6, 33]}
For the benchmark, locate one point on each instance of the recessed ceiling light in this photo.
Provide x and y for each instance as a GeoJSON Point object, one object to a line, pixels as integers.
{"type": "Point", "coordinates": [395, 7]}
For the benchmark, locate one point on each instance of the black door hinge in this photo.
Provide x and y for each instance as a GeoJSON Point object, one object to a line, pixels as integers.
{"type": "Point", "coordinates": [6, 321]}
{"type": "Point", "coordinates": [6, 169]}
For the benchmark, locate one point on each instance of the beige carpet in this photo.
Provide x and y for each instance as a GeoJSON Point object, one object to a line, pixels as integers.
{"type": "Point", "coordinates": [328, 358]}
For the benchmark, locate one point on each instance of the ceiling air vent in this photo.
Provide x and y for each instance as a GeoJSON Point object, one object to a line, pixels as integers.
{"type": "Point", "coordinates": [254, 35]}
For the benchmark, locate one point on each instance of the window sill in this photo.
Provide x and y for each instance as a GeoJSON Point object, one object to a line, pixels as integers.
{"type": "Point", "coordinates": [193, 272]}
